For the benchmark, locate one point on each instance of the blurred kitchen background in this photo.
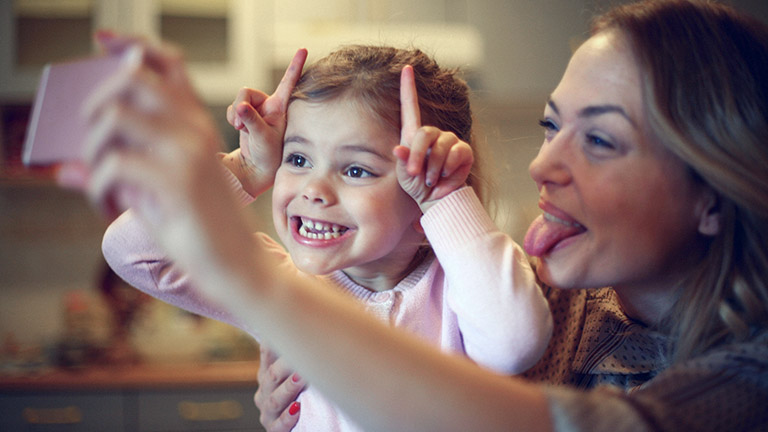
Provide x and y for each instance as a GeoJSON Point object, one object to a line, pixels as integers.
{"type": "Point", "coordinates": [59, 304]}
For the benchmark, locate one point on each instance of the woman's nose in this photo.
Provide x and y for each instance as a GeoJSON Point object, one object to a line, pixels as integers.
{"type": "Point", "coordinates": [551, 165]}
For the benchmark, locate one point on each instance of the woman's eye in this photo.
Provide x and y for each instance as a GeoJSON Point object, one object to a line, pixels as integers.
{"type": "Point", "coordinates": [357, 172]}
{"type": "Point", "coordinates": [547, 124]}
{"type": "Point", "coordinates": [296, 160]}
{"type": "Point", "coordinates": [550, 128]}
{"type": "Point", "coordinates": [596, 141]}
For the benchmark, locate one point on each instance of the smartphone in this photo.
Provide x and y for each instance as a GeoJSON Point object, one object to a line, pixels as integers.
{"type": "Point", "coordinates": [57, 128]}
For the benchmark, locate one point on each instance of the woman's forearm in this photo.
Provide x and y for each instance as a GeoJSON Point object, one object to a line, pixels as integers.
{"type": "Point", "coordinates": [382, 377]}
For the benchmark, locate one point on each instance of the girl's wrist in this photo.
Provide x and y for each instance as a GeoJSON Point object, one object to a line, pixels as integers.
{"type": "Point", "coordinates": [253, 181]}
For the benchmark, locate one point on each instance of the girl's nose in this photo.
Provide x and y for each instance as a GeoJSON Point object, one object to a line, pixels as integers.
{"type": "Point", "coordinates": [551, 165]}
{"type": "Point", "coordinates": [318, 191]}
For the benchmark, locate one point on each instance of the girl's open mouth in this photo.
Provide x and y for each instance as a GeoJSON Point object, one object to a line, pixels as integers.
{"type": "Point", "coordinates": [318, 230]}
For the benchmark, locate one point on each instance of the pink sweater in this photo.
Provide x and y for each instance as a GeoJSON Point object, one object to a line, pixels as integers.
{"type": "Point", "coordinates": [479, 297]}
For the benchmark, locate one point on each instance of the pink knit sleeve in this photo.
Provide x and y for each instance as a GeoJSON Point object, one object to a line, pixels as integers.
{"type": "Point", "coordinates": [504, 318]}
{"type": "Point", "coordinates": [133, 255]}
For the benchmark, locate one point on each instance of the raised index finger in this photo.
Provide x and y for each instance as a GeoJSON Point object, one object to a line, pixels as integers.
{"type": "Point", "coordinates": [410, 115]}
{"type": "Point", "coordinates": [291, 77]}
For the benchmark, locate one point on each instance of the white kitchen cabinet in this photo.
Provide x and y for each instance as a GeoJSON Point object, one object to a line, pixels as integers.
{"type": "Point", "coordinates": [227, 40]}
{"type": "Point", "coordinates": [228, 43]}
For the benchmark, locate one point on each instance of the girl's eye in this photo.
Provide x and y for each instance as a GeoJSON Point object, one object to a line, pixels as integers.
{"type": "Point", "coordinates": [296, 160]}
{"type": "Point", "coordinates": [357, 172]}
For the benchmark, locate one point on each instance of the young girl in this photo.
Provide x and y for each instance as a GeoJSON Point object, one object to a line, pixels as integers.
{"type": "Point", "coordinates": [356, 209]}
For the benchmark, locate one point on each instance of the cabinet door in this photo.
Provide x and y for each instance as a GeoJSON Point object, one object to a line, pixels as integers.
{"type": "Point", "coordinates": [61, 412]}
{"type": "Point", "coordinates": [200, 410]}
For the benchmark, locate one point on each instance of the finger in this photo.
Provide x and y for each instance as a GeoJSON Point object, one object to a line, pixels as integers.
{"type": "Point", "coordinates": [267, 374]}
{"type": "Point", "coordinates": [287, 419]}
{"type": "Point", "coordinates": [266, 356]}
{"type": "Point", "coordinates": [114, 43]}
{"type": "Point", "coordinates": [246, 96]}
{"type": "Point", "coordinates": [120, 126]}
{"type": "Point", "coordinates": [166, 60]}
{"type": "Point", "coordinates": [72, 175]}
{"type": "Point", "coordinates": [115, 85]}
{"type": "Point", "coordinates": [421, 147]}
{"type": "Point", "coordinates": [125, 179]}
{"type": "Point", "coordinates": [252, 121]}
{"type": "Point", "coordinates": [233, 119]}
{"type": "Point", "coordinates": [402, 153]}
{"type": "Point", "coordinates": [290, 78]}
{"type": "Point", "coordinates": [459, 159]}
{"type": "Point", "coordinates": [410, 114]}
{"type": "Point", "coordinates": [437, 157]}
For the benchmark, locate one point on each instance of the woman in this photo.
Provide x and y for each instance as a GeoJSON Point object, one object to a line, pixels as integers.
{"type": "Point", "coordinates": [652, 181]}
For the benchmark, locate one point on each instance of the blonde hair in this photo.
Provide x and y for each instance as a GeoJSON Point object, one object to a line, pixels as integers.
{"type": "Point", "coordinates": [706, 91]}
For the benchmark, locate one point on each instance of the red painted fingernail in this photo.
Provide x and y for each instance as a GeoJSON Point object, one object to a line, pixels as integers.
{"type": "Point", "coordinates": [294, 408]}
{"type": "Point", "coordinates": [295, 378]}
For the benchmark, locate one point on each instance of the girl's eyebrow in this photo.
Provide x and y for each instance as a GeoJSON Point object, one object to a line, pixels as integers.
{"type": "Point", "coordinates": [357, 148]}
{"type": "Point", "coordinates": [596, 110]}
{"type": "Point", "coordinates": [295, 139]}
{"type": "Point", "coordinates": [349, 148]}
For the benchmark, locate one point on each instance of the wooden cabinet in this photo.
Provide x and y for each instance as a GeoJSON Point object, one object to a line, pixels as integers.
{"type": "Point", "coordinates": [206, 397]}
{"type": "Point", "coordinates": [200, 410]}
{"type": "Point", "coordinates": [54, 411]}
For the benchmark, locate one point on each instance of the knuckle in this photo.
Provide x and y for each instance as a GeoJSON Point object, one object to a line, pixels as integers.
{"type": "Point", "coordinates": [272, 404]}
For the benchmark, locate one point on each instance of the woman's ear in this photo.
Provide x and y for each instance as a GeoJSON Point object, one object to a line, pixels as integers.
{"type": "Point", "coordinates": [708, 211]}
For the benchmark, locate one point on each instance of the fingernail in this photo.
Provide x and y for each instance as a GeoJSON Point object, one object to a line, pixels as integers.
{"type": "Point", "coordinates": [294, 408]}
{"type": "Point", "coordinates": [104, 35]}
{"type": "Point", "coordinates": [295, 378]}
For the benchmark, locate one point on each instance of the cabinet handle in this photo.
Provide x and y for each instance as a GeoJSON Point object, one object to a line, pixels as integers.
{"type": "Point", "coordinates": [65, 415]}
{"type": "Point", "coordinates": [210, 411]}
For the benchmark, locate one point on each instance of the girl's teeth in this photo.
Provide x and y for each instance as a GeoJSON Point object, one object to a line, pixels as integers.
{"type": "Point", "coordinates": [319, 230]}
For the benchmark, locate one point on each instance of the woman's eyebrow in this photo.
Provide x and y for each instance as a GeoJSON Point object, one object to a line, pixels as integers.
{"type": "Point", "coordinates": [596, 110]}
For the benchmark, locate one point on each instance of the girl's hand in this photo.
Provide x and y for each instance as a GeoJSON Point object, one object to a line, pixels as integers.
{"type": "Point", "coordinates": [431, 163]}
{"type": "Point", "coordinates": [260, 118]}
{"type": "Point", "coordinates": [276, 397]}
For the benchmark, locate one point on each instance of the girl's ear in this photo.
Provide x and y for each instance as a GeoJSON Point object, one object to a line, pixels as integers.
{"type": "Point", "coordinates": [710, 217]}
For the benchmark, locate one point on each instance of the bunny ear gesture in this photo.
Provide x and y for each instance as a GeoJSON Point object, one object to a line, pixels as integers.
{"type": "Point", "coordinates": [261, 120]}
{"type": "Point", "coordinates": [431, 163]}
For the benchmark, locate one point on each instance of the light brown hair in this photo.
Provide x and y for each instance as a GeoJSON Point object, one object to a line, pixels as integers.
{"type": "Point", "coordinates": [705, 72]}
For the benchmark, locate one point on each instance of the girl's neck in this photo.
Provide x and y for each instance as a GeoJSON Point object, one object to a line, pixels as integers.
{"type": "Point", "coordinates": [385, 280]}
